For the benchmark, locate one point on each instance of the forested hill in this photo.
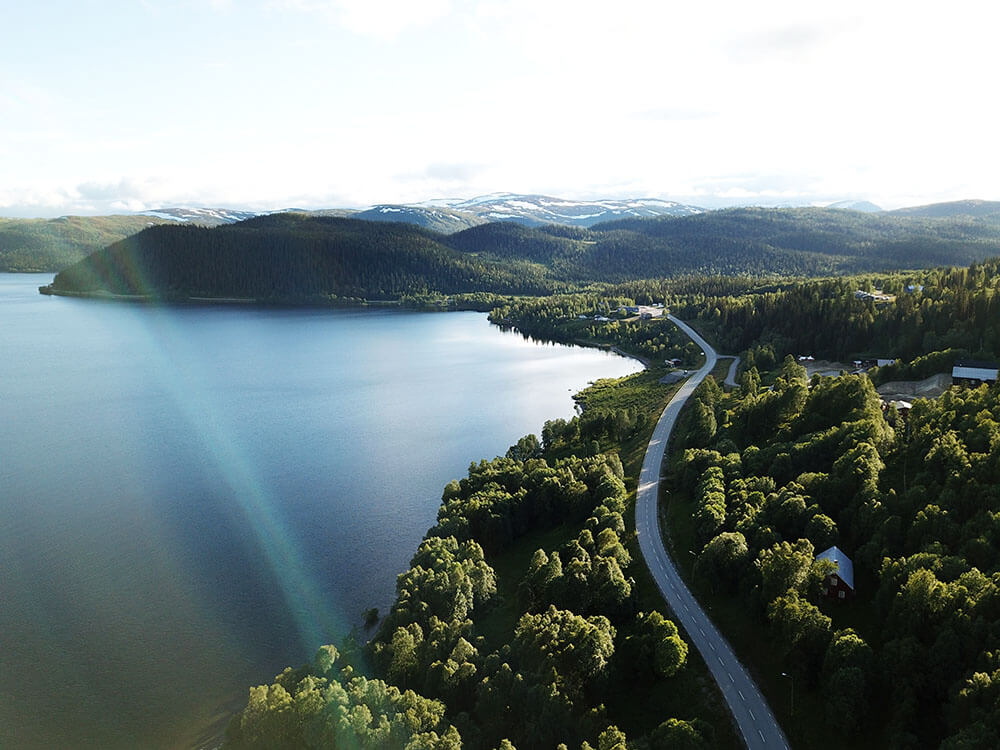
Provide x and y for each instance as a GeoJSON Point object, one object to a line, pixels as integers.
{"type": "Point", "coordinates": [51, 244]}
{"type": "Point", "coordinates": [815, 240]}
{"type": "Point", "coordinates": [298, 257]}
{"type": "Point", "coordinates": [931, 317]}
{"type": "Point", "coordinates": [291, 257]}
{"type": "Point", "coordinates": [985, 209]}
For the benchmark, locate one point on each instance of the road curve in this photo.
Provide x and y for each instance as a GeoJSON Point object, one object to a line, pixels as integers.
{"type": "Point", "coordinates": [731, 376]}
{"type": "Point", "coordinates": [756, 723]}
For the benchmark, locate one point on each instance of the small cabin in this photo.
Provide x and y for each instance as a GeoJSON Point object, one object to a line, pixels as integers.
{"type": "Point", "coordinates": [974, 373]}
{"type": "Point", "coordinates": [896, 408]}
{"type": "Point", "coordinates": [839, 584]}
{"type": "Point", "coordinates": [902, 407]}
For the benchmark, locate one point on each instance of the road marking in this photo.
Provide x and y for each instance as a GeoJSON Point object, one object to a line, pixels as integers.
{"type": "Point", "coordinates": [761, 735]}
{"type": "Point", "coordinates": [743, 697]}
{"type": "Point", "coordinates": [730, 675]}
{"type": "Point", "coordinates": [751, 714]}
{"type": "Point", "coordinates": [720, 660]}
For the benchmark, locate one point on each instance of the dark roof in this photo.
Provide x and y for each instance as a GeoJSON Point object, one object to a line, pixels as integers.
{"type": "Point", "coordinates": [979, 364]}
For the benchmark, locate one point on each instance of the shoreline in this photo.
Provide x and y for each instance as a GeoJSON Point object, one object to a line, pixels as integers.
{"type": "Point", "coordinates": [318, 302]}
{"type": "Point", "coordinates": [638, 358]}
{"type": "Point", "coordinates": [150, 299]}
{"type": "Point", "coordinates": [345, 302]}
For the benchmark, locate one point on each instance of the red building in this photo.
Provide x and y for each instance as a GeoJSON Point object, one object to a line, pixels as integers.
{"type": "Point", "coordinates": [840, 583]}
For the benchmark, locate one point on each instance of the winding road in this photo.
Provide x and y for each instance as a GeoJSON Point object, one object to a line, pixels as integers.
{"type": "Point", "coordinates": [731, 376]}
{"type": "Point", "coordinates": [751, 712]}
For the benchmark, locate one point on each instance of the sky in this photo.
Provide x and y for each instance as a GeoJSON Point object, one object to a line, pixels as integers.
{"type": "Point", "coordinates": [110, 106]}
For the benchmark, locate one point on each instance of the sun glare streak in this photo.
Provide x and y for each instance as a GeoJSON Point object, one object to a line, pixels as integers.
{"type": "Point", "coordinates": [317, 621]}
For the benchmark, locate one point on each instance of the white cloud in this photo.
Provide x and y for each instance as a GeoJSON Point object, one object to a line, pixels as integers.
{"type": "Point", "coordinates": [128, 205]}
{"type": "Point", "coordinates": [381, 19]}
{"type": "Point", "coordinates": [327, 102]}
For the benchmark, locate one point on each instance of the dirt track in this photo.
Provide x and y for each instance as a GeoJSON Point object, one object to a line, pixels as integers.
{"type": "Point", "coordinates": [907, 390]}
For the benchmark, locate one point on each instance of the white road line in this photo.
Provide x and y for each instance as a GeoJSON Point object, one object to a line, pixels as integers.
{"type": "Point", "coordinates": [751, 714]}
{"type": "Point", "coordinates": [741, 694]}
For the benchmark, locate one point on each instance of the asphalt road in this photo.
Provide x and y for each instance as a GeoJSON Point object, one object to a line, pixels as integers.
{"type": "Point", "coordinates": [731, 375]}
{"type": "Point", "coordinates": [751, 712]}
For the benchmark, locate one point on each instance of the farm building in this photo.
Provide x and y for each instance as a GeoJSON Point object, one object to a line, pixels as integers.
{"type": "Point", "coordinates": [974, 373]}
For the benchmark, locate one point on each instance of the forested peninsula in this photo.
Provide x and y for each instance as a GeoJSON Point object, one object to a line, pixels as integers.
{"type": "Point", "coordinates": [301, 258]}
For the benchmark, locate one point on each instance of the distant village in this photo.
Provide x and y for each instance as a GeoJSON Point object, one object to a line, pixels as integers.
{"type": "Point", "coordinates": [877, 295]}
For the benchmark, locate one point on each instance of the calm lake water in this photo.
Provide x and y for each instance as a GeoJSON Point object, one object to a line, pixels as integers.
{"type": "Point", "coordinates": [192, 498]}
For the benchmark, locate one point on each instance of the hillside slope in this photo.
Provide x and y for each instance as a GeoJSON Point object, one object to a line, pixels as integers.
{"type": "Point", "coordinates": [812, 241]}
{"type": "Point", "coordinates": [954, 208]}
{"type": "Point", "coordinates": [299, 256]}
{"type": "Point", "coordinates": [443, 220]}
{"type": "Point", "coordinates": [290, 257]}
{"type": "Point", "coordinates": [52, 244]}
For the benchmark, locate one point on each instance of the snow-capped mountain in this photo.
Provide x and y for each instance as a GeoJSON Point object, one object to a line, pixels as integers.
{"type": "Point", "coordinates": [453, 215]}
{"type": "Point", "coordinates": [866, 206]}
{"type": "Point", "coordinates": [208, 217]}
{"type": "Point", "coordinates": [436, 218]}
{"type": "Point", "coordinates": [543, 209]}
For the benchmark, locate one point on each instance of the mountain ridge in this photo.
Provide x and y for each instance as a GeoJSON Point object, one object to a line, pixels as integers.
{"type": "Point", "coordinates": [853, 205]}
{"type": "Point", "coordinates": [208, 217]}
{"type": "Point", "coordinates": [54, 244]}
{"type": "Point", "coordinates": [970, 207]}
{"type": "Point", "coordinates": [299, 257]}
{"type": "Point", "coordinates": [534, 210]}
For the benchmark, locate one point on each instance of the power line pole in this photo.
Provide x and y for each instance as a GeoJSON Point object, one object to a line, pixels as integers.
{"type": "Point", "coordinates": [792, 681]}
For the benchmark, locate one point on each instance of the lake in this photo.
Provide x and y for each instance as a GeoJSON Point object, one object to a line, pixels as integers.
{"type": "Point", "coordinates": [194, 497]}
